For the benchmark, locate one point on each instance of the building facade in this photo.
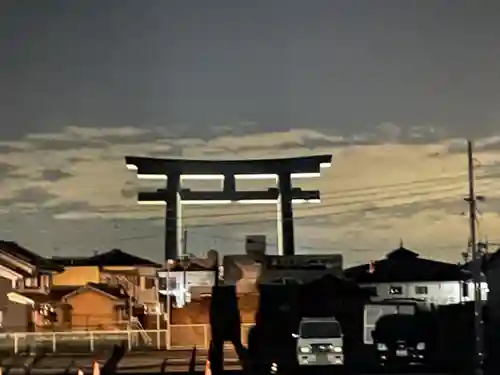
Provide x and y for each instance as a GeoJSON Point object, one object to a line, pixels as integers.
{"type": "Point", "coordinates": [13, 316]}
{"type": "Point", "coordinates": [21, 270]}
{"type": "Point", "coordinates": [435, 292]}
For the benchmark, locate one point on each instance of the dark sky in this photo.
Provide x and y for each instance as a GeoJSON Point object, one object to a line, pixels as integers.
{"type": "Point", "coordinates": [183, 65]}
{"type": "Point", "coordinates": [384, 86]}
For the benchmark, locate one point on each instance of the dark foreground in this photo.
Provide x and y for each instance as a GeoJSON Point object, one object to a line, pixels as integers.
{"type": "Point", "coordinates": [132, 362]}
{"type": "Point", "coordinates": [150, 362]}
{"type": "Point", "coordinates": [160, 362]}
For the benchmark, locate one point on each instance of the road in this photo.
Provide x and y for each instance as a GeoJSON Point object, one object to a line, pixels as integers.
{"type": "Point", "coordinates": [132, 362]}
{"type": "Point", "coordinates": [156, 362]}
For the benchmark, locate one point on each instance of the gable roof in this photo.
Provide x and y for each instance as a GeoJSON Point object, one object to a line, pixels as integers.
{"type": "Point", "coordinates": [59, 293]}
{"type": "Point", "coordinates": [55, 295]}
{"type": "Point", "coordinates": [15, 250]}
{"type": "Point", "coordinates": [115, 292]}
{"type": "Point", "coordinates": [114, 257]}
{"type": "Point", "coordinates": [403, 265]}
{"type": "Point", "coordinates": [5, 263]}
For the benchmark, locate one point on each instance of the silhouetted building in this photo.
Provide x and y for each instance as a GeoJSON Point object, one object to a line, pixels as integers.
{"type": "Point", "coordinates": [403, 274]}
{"type": "Point", "coordinates": [490, 266]}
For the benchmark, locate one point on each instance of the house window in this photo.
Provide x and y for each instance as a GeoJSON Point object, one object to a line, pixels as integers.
{"type": "Point", "coordinates": [48, 314]}
{"type": "Point", "coordinates": [420, 289]}
{"type": "Point", "coordinates": [395, 290]}
{"type": "Point", "coordinates": [372, 290]}
{"type": "Point", "coordinates": [31, 282]}
{"type": "Point", "coordinates": [149, 283]}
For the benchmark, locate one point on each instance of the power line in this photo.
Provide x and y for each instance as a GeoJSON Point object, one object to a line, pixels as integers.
{"type": "Point", "coordinates": [390, 197]}
{"type": "Point", "coordinates": [346, 193]}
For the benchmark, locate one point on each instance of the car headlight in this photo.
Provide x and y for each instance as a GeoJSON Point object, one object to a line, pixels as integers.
{"type": "Point", "coordinates": [274, 368]}
{"type": "Point", "coordinates": [381, 347]}
{"type": "Point", "coordinates": [421, 346]}
{"type": "Point", "coordinates": [335, 349]}
{"type": "Point", "coordinates": [305, 349]}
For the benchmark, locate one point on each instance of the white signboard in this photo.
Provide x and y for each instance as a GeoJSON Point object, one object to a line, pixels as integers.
{"type": "Point", "coordinates": [182, 284]}
{"type": "Point", "coordinates": [180, 280]}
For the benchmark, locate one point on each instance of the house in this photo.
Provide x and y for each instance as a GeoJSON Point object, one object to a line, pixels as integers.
{"type": "Point", "coordinates": [101, 291]}
{"type": "Point", "coordinates": [89, 307]}
{"type": "Point", "coordinates": [137, 276]}
{"type": "Point", "coordinates": [403, 274]}
{"type": "Point", "coordinates": [21, 270]}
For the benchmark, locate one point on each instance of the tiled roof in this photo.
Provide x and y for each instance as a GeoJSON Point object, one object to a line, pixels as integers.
{"type": "Point", "coordinates": [115, 291]}
{"type": "Point", "coordinates": [15, 250]}
{"type": "Point", "coordinates": [55, 295]}
{"type": "Point", "coordinates": [115, 257]}
{"type": "Point", "coordinates": [403, 265]}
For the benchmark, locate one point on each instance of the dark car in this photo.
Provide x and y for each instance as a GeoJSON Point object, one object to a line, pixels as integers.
{"type": "Point", "coordinates": [401, 341]}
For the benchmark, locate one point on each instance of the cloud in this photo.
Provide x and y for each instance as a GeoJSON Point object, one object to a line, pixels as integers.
{"type": "Point", "coordinates": [54, 175]}
{"type": "Point", "coordinates": [32, 196]}
{"type": "Point", "coordinates": [381, 187]}
{"type": "Point", "coordinates": [6, 169]}
{"type": "Point", "coordinates": [483, 144]}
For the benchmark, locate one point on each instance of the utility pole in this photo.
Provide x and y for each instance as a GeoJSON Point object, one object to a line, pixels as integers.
{"type": "Point", "coordinates": [184, 242]}
{"type": "Point", "coordinates": [476, 265]}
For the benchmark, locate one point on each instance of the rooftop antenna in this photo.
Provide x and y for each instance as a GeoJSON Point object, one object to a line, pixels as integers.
{"type": "Point", "coordinates": [401, 244]}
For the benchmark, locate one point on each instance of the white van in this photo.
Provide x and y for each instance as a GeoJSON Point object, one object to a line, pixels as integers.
{"type": "Point", "coordinates": [320, 342]}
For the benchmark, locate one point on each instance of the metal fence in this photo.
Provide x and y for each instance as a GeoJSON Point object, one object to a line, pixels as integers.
{"type": "Point", "coordinates": [180, 337]}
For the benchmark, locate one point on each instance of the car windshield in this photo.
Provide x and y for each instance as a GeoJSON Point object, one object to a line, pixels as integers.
{"type": "Point", "coordinates": [309, 330]}
{"type": "Point", "coordinates": [395, 328]}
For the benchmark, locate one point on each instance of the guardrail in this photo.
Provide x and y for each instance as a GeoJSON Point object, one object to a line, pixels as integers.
{"type": "Point", "coordinates": [182, 336]}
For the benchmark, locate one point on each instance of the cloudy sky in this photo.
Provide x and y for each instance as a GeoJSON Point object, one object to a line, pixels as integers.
{"type": "Point", "coordinates": [389, 88]}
